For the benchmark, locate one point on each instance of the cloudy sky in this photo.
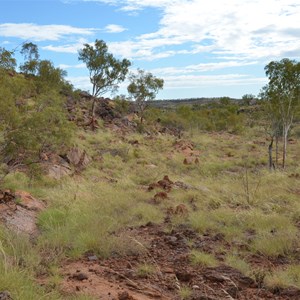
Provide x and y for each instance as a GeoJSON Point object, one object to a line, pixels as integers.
{"type": "Point", "coordinates": [201, 48]}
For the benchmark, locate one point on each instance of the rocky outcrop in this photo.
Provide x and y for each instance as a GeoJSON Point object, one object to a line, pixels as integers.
{"type": "Point", "coordinates": [18, 211]}
{"type": "Point", "coordinates": [74, 161]}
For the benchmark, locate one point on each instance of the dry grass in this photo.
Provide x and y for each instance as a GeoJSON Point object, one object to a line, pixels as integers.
{"type": "Point", "coordinates": [231, 193]}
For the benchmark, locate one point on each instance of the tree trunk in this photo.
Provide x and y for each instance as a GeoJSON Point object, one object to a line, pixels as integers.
{"type": "Point", "coordinates": [285, 136]}
{"type": "Point", "coordinates": [276, 149]}
{"type": "Point", "coordinates": [271, 164]}
{"type": "Point", "coordinates": [141, 107]}
{"type": "Point", "coordinates": [142, 115]}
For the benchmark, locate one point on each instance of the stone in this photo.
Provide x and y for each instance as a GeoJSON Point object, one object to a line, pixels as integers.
{"type": "Point", "coordinates": [80, 276]}
{"type": "Point", "coordinates": [92, 258]}
{"type": "Point", "coordinates": [182, 185]}
{"type": "Point", "coordinates": [58, 171]}
{"type": "Point", "coordinates": [291, 292]}
{"type": "Point", "coordinates": [181, 209]}
{"type": "Point", "coordinates": [78, 157]}
{"type": "Point", "coordinates": [125, 296]}
{"type": "Point", "coordinates": [5, 295]}
{"type": "Point", "coordinates": [225, 273]}
{"type": "Point", "coordinates": [160, 196]}
{"type": "Point", "coordinates": [188, 161]}
{"type": "Point", "coordinates": [27, 201]}
{"type": "Point", "coordinates": [184, 276]}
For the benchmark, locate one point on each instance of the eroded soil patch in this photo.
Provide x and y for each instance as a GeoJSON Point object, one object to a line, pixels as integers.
{"type": "Point", "coordinates": [168, 253]}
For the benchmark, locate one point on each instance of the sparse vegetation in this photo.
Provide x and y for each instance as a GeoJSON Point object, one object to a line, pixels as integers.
{"type": "Point", "coordinates": [194, 182]}
{"type": "Point", "coordinates": [145, 270]}
{"type": "Point", "coordinates": [203, 259]}
{"type": "Point", "coordinates": [284, 278]}
{"type": "Point", "coordinates": [185, 292]}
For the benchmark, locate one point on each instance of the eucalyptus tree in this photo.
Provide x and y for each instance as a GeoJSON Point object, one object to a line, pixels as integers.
{"type": "Point", "coordinates": [105, 71]}
{"type": "Point", "coordinates": [143, 87]}
{"type": "Point", "coordinates": [282, 95]}
{"type": "Point", "coordinates": [31, 56]}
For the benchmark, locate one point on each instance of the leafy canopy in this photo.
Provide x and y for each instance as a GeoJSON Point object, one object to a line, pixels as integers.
{"type": "Point", "coordinates": [283, 90]}
{"type": "Point", "coordinates": [144, 86]}
{"type": "Point", "coordinates": [7, 61]}
{"type": "Point", "coordinates": [31, 55]}
{"type": "Point", "coordinates": [282, 96]}
{"type": "Point", "coordinates": [32, 113]}
{"type": "Point", "coordinates": [105, 71]}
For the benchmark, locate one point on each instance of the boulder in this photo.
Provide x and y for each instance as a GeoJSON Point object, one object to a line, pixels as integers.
{"type": "Point", "coordinates": [78, 157]}
{"type": "Point", "coordinates": [58, 171]}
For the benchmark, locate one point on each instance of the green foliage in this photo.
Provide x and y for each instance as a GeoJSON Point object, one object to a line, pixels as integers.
{"type": "Point", "coordinates": [33, 118]}
{"type": "Point", "coordinates": [215, 118]}
{"type": "Point", "coordinates": [49, 77]}
{"type": "Point", "coordinates": [143, 87]}
{"type": "Point", "coordinates": [31, 55]}
{"type": "Point", "coordinates": [282, 97]}
{"type": "Point", "coordinates": [38, 130]}
{"type": "Point", "coordinates": [106, 72]}
{"type": "Point", "coordinates": [7, 61]}
{"type": "Point", "coordinates": [122, 105]}
{"type": "Point", "coordinates": [225, 101]}
{"type": "Point", "coordinates": [92, 213]}
{"type": "Point", "coordinates": [247, 98]}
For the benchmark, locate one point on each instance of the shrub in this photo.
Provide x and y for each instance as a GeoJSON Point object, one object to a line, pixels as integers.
{"type": "Point", "coordinates": [202, 259]}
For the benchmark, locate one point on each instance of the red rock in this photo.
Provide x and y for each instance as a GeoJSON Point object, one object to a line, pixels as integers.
{"type": "Point", "coordinates": [160, 196]}
{"type": "Point", "coordinates": [28, 201]}
{"type": "Point", "coordinates": [181, 209]}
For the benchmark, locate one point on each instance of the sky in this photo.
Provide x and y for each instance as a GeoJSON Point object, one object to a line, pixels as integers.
{"type": "Point", "coordinates": [201, 48]}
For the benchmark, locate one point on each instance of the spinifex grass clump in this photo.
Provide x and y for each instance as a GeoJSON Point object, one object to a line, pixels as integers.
{"type": "Point", "coordinates": [85, 216]}
{"type": "Point", "coordinates": [19, 264]}
{"type": "Point", "coordinates": [284, 277]}
{"type": "Point", "coordinates": [202, 259]}
{"type": "Point", "coordinates": [145, 270]}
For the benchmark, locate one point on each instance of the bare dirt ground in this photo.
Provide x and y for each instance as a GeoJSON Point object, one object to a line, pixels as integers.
{"type": "Point", "coordinates": [118, 278]}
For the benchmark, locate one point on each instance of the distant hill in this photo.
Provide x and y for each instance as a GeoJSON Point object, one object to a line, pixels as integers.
{"type": "Point", "coordinates": [169, 103]}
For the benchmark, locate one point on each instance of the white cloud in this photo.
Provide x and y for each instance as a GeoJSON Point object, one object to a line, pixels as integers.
{"type": "Point", "coordinates": [69, 48]}
{"type": "Point", "coordinates": [198, 81]}
{"type": "Point", "coordinates": [80, 82]}
{"type": "Point", "coordinates": [203, 67]}
{"type": "Point", "coordinates": [232, 29]}
{"type": "Point", "coordinates": [113, 28]}
{"type": "Point", "coordinates": [251, 29]}
{"type": "Point", "coordinates": [34, 32]}
{"type": "Point", "coordinates": [78, 66]}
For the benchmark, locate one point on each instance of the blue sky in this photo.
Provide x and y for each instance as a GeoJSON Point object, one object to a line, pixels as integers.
{"type": "Point", "coordinates": [200, 48]}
